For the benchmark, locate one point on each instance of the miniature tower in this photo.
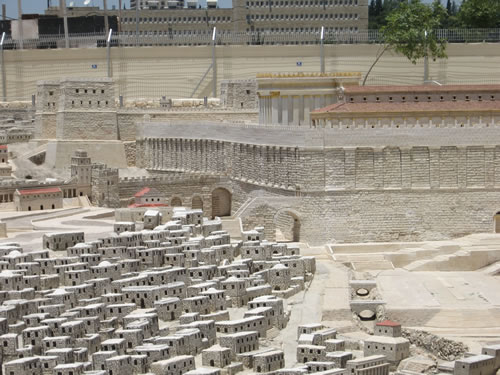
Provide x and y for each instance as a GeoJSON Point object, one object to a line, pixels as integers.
{"type": "Point", "coordinates": [81, 168]}
{"type": "Point", "coordinates": [105, 186]}
{"type": "Point", "coordinates": [47, 104]}
{"type": "Point", "coordinates": [87, 110]}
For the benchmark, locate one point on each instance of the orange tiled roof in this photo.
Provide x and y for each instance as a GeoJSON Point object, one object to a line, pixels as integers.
{"type": "Point", "coordinates": [419, 89]}
{"type": "Point", "coordinates": [459, 105]}
{"type": "Point", "coordinates": [40, 191]}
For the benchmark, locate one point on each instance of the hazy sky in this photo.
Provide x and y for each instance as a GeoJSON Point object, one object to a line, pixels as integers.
{"type": "Point", "coordinates": [38, 6]}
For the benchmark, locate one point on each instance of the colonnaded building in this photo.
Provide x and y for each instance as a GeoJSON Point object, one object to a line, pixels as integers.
{"type": "Point", "coordinates": [380, 164]}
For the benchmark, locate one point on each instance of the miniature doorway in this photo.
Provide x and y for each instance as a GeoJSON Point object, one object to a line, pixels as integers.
{"type": "Point", "coordinates": [197, 203]}
{"type": "Point", "coordinates": [176, 202]}
{"type": "Point", "coordinates": [221, 202]}
{"type": "Point", "coordinates": [496, 221]}
{"type": "Point", "coordinates": [287, 224]}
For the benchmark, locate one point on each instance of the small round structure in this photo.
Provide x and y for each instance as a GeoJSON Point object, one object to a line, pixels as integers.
{"type": "Point", "coordinates": [367, 315]}
{"type": "Point", "coordinates": [362, 292]}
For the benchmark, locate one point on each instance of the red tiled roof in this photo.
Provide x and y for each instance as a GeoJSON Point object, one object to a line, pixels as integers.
{"type": "Point", "coordinates": [40, 191]}
{"type": "Point", "coordinates": [3, 147]}
{"type": "Point", "coordinates": [388, 323]}
{"type": "Point", "coordinates": [410, 107]}
{"type": "Point", "coordinates": [419, 88]}
{"type": "Point", "coordinates": [141, 192]}
{"type": "Point", "coordinates": [134, 205]}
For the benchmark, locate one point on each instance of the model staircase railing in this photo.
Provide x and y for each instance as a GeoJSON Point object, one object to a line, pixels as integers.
{"type": "Point", "coordinates": [243, 207]}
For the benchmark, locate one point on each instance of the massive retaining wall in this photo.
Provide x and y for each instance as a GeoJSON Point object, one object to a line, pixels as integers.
{"type": "Point", "coordinates": [418, 184]}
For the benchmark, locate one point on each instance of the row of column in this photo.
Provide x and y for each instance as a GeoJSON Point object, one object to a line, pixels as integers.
{"type": "Point", "coordinates": [290, 109]}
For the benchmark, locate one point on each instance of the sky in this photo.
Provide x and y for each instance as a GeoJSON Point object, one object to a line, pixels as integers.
{"type": "Point", "coordinates": [38, 6]}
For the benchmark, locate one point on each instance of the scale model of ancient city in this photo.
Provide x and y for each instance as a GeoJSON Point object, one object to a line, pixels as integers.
{"type": "Point", "coordinates": [297, 223]}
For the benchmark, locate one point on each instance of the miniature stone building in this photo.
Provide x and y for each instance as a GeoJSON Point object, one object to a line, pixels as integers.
{"type": "Point", "coordinates": [101, 308]}
{"type": "Point", "coordinates": [269, 361]}
{"type": "Point", "coordinates": [61, 241]}
{"type": "Point", "coordinates": [372, 365]}
{"type": "Point", "coordinates": [289, 99]}
{"type": "Point", "coordinates": [4, 154]}
{"type": "Point", "coordinates": [239, 94]}
{"type": "Point", "coordinates": [149, 197]}
{"type": "Point", "coordinates": [387, 341]}
{"type": "Point", "coordinates": [105, 186]}
{"type": "Point", "coordinates": [387, 328]}
{"type": "Point", "coordinates": [474, 365]}
{"type": "Point", "coordinates": [38, 199]}
{"type": "Point", "coordinates": [81, 170]}
{"type": "Point", "coordinates": [152, 218]}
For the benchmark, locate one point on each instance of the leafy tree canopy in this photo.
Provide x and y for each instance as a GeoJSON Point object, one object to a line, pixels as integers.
{"type": "Point", "coordinates": [379, 10]}
{"type": "Point", "coordinates": [410, 30]}
{"type": "Point", "coordinates": [479, 14]}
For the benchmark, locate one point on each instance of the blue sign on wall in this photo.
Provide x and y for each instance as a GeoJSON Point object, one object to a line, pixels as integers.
{"type": "Point", "coordinates": [299, 63]}
{"type": "Point", "coordinates": [94, 66]}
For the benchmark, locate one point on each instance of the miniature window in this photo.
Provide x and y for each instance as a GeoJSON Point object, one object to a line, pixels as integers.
{"type": "Point", "coordinates": [352, 100]}
{"type": "Point", "coordinates": [480, 98]}
{"type": "Point", "coordinates": [77, 91]}
{"type": "Point", "coordinates": [467, 98]}
{"type": "Point", "coordinates": [454, 98]}
{"type": "Point", "coordinates": [492, 97]}
{"type": "Point", "coordinates": [416, 98]}
{"type": "Point", "coordinates": [378, 99]}
{"type": "Point", "coordinates": [93, 91]}
{"type": "Point", "coordinates": [390, 98]}
{"type": "Point", "coordinates": [403, 99]}
{"type": "Point", "coordinates": [364, 99]}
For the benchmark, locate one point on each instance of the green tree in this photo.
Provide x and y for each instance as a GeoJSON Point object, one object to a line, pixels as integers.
{"type": "Point", "coordinates": [448, 6]}
{"type": "Point", "coordinates": [479, 14]}
{"type": "Point", "coordinates": [410, 31]}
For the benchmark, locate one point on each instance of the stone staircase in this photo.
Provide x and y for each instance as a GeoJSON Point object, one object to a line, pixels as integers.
{"type": "Point", "coordinates": [240, 211]}
{"type": "Point", "coordinates": [37, 155]}
{"type": "Point", "coordinates": [365, 261]}
{"type": "Point", "coordinates": [468, 258]}
{"type": "Point", "coordinates": [492, 269]}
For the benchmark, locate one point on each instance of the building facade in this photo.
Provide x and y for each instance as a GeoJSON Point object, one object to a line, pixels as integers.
{"type": "Point", "coordinates": [38, 199]}
{"type": "Point", "coordinates": [176, 18]}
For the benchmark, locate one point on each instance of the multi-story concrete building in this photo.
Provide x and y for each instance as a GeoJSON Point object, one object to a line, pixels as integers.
{"type": "Point", "coordinates": [185, 18]}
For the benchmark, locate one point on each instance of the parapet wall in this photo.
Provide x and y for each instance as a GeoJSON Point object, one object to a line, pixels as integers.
{"type": "Point", "coordinates": [420, 163]}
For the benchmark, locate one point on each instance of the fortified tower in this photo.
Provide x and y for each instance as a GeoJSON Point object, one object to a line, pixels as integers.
{"type": "Point", "coordinates": [87, 110]}
{"type": "Point", "coordinates": [47, 104]}
{"type": "Point", "coordinates": [105, 186]}
{"type": "Point", "coordinates": [78, 113]}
